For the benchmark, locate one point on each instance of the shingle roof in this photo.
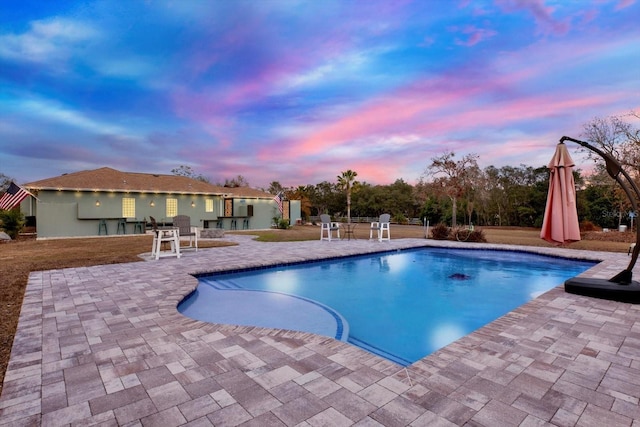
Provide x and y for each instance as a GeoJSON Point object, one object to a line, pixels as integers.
{"type": "Point", "coordinates": [108, 179]}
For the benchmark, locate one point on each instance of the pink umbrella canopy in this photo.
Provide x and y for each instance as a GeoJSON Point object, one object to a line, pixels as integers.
{"type": "Point", "coordinates": [560, 224]}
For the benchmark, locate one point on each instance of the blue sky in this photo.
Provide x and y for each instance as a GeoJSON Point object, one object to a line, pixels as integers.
{"type": "Point", "coordinates": [299, 91]}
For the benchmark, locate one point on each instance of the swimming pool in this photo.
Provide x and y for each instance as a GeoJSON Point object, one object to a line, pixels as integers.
{"type": "Point", "coordinates": [400, 305]}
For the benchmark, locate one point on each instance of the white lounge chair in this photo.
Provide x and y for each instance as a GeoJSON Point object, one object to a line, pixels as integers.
{"type": "Point", "coordinates": [328, 227]}
{"type": "Point", "coordinates": [380, 227]}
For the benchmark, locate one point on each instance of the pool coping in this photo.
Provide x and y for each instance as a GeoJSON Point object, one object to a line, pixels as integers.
{"type": "Point", "coordinates": [105, 344]}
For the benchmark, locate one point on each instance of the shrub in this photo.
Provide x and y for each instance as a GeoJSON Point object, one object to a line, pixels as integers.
{"type": "Point", "coordinates": [440, 232]}
{"type": "Point", "coordinates": [588, 226]}
{"type": "Point", "coordinates": [477, 236]}
{"type": "Point", "coordinates": [400, 219]}
{"type": "Point", "coordinates": [283, 224]}
{"type": "Point", "coordinates": [462, 234]}
{"type": "Point", "coordinates": [11, 222]}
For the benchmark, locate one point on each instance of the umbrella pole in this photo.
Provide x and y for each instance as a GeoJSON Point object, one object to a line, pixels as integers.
{"type": "Point", "coordinates": [614, 169]}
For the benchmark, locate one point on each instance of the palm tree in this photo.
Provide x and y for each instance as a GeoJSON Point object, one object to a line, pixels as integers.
{"type": "Point", "coordinates": [346, 181]}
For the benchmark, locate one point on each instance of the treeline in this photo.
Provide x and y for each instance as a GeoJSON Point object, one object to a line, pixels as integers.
{"type": "Point", "coordinates": [506, 196]}
{"type": "Point", "coordinates": [453, 192]}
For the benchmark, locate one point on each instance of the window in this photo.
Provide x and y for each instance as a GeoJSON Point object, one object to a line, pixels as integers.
{"type": "Point", "coordinates": [128, 207]}
{"type": "Point", "coordinates": [172, 208]}
{"type": "Point", "coordinates": [208, 205]}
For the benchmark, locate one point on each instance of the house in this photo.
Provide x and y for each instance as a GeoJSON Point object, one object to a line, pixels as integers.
{"type": "Point", "coordinates": [107, 201]}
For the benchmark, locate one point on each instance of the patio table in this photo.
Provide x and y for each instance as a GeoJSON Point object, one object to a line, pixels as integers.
{"type": "Point", "coordinates": [348, 230]}
{"type": "Point", "coordinates": [170, 235]}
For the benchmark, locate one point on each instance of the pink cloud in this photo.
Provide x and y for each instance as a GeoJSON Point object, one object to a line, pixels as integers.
{"type": "Point", "coordinates": [622, 4]}
{"type": "Point", "coordinates": [435, 121]}
{"type": "Point", "coordinates": [589, 16]}
{"type": "Point", "coordinates": [475, 35]}
{"type": "Point", "coordinates": [503, 114]}
{"type": "Point", "coordinates": [375, 171]}
{"type": "Point", "coordinates": [391, 112]}
{"type": "Point", "coordinates": [542, 14]}
{"type": "Point", "coordinates": [431, 110]}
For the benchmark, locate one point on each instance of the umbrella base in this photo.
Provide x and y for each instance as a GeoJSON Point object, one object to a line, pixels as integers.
{"type": "Point", "coordinates": [604, 289]}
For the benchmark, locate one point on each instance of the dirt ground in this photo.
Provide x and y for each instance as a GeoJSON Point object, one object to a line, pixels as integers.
{"type": "Point", "coordinates": [26, 254]}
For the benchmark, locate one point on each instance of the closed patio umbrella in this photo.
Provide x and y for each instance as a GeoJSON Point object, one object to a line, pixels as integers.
{"type": "Point", "coordinates": [560, 224]}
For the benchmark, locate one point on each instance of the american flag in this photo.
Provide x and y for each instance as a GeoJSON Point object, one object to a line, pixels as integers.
{"type": "Point", "coordinates": [14, 195]}
{"type": "Point", "coordinates": [278, 199]}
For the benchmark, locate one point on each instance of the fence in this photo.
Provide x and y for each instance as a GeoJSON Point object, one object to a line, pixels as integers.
{"type": "Point", "coordinates": [365, 219]}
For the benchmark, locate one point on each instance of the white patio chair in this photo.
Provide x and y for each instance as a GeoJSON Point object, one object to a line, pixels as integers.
{"type": "Point", "coordinates": [328, 227]}
{"type": "Point", "coordinates": [380, 227]}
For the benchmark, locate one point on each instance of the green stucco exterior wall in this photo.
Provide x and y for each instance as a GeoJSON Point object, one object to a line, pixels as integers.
{"type": "Point", "coordinates": [79, 213]}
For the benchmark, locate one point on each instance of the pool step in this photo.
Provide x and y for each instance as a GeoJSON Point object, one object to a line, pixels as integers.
{"type": "Point", "coordinates": [223, 284]}
{"type": "Point", "coordinates": [378, 351]}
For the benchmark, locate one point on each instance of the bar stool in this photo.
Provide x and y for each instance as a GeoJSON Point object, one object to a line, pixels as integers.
{"type": "Point", "coordinates": [137, 226]}
{"type": "Point", "coordinates": [122, 223]}
{"type": "Point", "coordinates": [102, 225]}
{"type": "Point", "coordinates": [245, 224]}
{"type": "Point", "coordinates": [234, 224]}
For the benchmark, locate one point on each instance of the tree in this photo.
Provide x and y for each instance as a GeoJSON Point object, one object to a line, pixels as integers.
{"type": "Point", "coordinates": [519, 194]}
{"type": "Point", "coordinates": [238, 181]}
{"type": "Point", "coordinates": [617, 137]}
{"type": "Point", "coordinates": [453, 178]}
{"type": "Point", "coordinates": [302, 193]}
{"type": "Point", "coordinates": [322, 196]}
{"type": "Point", "coordinates": [275, 187]}
{"type": "Point", "coordinates": [613, 135]}
{"type": "Point", "coordinates": [188, 171]}
{"type": "Point", "coordinates": [5, 181]}
{"type": "Point", "coordinates": [399, 200]}
{"type": "Point", "coordinates": [599, 201]}
{"type": "Point", "coordinates": [12, 222]}
{"type": "Point", "coordinates": [346, 182]}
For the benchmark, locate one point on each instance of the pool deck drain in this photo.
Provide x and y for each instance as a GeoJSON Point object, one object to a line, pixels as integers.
{"type": "Point", "coordinates": [105, 345]}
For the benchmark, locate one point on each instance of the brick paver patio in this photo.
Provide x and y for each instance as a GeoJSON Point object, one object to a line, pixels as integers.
{"type": "Point", "coordinates": [105, 346]}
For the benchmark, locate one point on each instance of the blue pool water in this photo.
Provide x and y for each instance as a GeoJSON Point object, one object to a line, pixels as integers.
{"type": "Point", "coordinates": [401, 305]}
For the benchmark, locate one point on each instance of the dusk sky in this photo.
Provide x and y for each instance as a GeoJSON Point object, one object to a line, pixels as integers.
{"type": "Point", "coordinates": [299, 91]}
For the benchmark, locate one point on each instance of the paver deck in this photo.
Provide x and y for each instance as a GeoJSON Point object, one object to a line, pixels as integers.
{"type": "Point", "coordinates": [105, 345]}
